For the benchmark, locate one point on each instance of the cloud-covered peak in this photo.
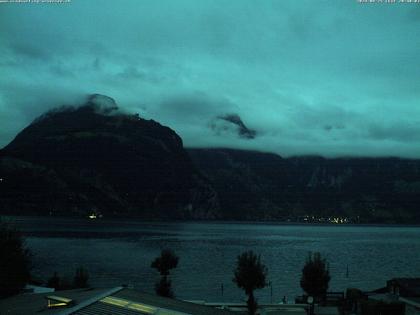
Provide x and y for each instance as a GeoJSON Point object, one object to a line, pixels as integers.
{"type": "Point", "coordinates": [103, 104]}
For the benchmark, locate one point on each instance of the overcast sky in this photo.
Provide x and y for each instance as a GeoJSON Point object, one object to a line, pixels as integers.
{"type": "Point", "coordinates": [329, 77]}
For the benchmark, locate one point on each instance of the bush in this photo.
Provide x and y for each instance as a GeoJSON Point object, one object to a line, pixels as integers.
{"type": "Point", "coordinates": [15, 261]}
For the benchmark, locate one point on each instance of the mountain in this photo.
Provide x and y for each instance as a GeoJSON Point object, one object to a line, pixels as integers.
{"type": "Point", "coordinates": [96, 159]}
{"type": "Point", "coordinates": [259, 185]}
{"type": "Point", "coordinates": [93, 158]}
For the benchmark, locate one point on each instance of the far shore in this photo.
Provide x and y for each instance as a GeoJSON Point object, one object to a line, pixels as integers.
{"type": "Point", "coordinates": [139, 220]}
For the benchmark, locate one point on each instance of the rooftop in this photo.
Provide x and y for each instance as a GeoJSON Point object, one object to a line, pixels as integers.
{"type": "Point", "coordinates": [121, 301]}
{"type": "Point", "coordinates": [126, 301]}
{"type": "Point", "coordinates": [37, 303]}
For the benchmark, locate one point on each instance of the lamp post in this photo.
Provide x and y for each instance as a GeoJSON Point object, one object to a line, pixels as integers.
{"type": "Point", "coordinates": [310, 301]}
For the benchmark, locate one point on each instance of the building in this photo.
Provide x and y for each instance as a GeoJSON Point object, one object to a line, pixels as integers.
{"type": "Point", "coordinates": [126, 301]}
{"type": "Point", "coordinates": [404, 287]}
{"type": "Point", "coordinates": [403, 291]}
{"type": "Point", "coordinates": [120, 300]}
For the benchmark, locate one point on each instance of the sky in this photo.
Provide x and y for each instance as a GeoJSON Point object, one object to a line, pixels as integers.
{"type": "Point", "coordinates": [307, 77]}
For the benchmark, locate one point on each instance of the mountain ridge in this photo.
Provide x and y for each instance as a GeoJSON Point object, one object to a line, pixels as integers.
{"type": "Point", "coordinates": [110, 162]}
{"type": "Point", "coordinates": [310, 188]}
{"type": "Point", "coordinates": [95, 159]}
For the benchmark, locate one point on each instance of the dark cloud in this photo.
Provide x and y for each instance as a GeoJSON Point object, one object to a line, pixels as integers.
{"type": "Point", "coordinates": [29, 50]}
{"type": "Point", "coordinates": [332, 78]}
{"type": "Point", "coordinates": [191, 107]}
{"type": "Point", "coordinates": [395, 131]}
{"type": "Point", "coordinates": [133, 73]}
{"type": "Point", "coordinates": [61, 70]}
{"type": "Point", "coordinates": [233, 119]}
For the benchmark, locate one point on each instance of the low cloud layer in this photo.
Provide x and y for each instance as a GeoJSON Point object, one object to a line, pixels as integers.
{"type": "Point", "coordinates": [333, 78]}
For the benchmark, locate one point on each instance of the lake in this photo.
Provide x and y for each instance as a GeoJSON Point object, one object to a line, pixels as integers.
{"type": "Point", "coordinates": [120, 252]}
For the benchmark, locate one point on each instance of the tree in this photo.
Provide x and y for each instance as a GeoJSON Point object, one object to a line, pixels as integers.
{"type": "Point", "coordinates": [315, 276]}
{"type": "Point", "coordinates": [164, 287]}
{"type": "Point", "coordinates": [250, 274]}
{"type": "Point", "coordinates": [15, 261]}
{"type": "Point", "coordinates": [81, 278]}
{"type": "Point", "coordinates": [164, 263]}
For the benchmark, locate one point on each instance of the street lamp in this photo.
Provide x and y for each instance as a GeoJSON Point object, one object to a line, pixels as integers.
{"type": "Point", "coordinates": [310, 301]}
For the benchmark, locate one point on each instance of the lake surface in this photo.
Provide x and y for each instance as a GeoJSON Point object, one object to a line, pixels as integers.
{"type": "Point", "coordinates": [120, 252]}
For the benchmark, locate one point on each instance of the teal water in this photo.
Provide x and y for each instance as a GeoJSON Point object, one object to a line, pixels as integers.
{"type": "Point", "coordinates": [120, 252]}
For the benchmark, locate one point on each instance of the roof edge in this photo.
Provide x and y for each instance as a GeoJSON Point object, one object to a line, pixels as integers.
{"type": "Point", "coordinates": [90, 301]}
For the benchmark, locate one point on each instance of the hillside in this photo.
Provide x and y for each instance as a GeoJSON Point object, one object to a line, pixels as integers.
{"type": "Point", "coordinates": [93, 158]}
{"type": "Point", "coordinates": [261, 185]}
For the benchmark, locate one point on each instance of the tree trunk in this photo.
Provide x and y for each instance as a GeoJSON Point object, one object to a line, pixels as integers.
{"type": "Point", "coordinates": [252, 304]}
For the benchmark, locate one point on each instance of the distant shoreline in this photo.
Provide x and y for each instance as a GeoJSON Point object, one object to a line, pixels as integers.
{"type": "Point", "coordinates": [134, 220]}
